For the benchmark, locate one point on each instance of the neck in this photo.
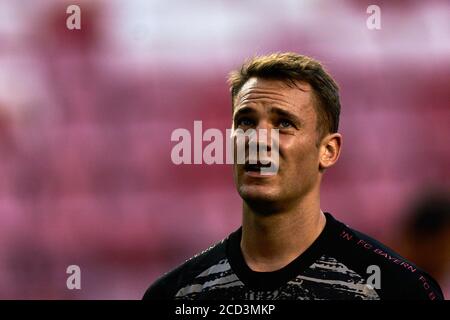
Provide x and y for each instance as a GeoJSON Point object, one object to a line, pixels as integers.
{"type": "Point", "coordinates": [270, 242]}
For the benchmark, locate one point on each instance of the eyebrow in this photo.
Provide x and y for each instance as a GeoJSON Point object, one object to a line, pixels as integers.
{"type": "Point", "coordinates": [243, 111]}
{"type": "Point", "coordinates": [274, 110]}
{"type": "Point", "coordinates": [286, 114]}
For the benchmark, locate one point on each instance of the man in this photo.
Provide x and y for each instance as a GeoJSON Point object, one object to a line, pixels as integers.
{"type": "Point", "coordinates": [287, 247]}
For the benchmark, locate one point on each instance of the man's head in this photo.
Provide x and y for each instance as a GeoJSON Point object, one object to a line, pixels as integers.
{"type": "Point", "coordinates": [290, 68]}
{"type": "Point", "coordinates": [294, 94]}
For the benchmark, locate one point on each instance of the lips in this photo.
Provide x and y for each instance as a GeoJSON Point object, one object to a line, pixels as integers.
{"type": "Point", "coordinates": [248, 167]}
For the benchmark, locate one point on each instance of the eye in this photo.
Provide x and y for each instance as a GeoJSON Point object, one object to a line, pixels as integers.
{"type": "Point", "coordinates": [285, 124]}
{"type": "Point", "coordinates": [246, 122]}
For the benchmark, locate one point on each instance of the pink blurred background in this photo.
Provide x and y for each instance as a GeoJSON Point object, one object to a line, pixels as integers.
{"type": "Point", "coordinates": [86, 116]}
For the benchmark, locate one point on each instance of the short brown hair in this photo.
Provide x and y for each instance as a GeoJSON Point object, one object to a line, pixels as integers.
{"type": "Point", "coordinates": [291, 67]}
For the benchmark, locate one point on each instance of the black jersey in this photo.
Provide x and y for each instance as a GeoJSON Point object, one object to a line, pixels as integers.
{"type": "Point", "coordinates": [340, 264]}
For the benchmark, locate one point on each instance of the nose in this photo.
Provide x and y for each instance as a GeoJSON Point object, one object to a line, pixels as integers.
{"type": "Point", "coordinates": [264, 145]}
{"type": "Point", "coordinates": [264, 135]}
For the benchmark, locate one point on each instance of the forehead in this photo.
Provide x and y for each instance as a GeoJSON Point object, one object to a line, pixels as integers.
{"type": "Point", "coordinates": [297, 96]}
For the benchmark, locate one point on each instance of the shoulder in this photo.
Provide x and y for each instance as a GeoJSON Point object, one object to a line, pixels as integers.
{"type": "Point", "coordinates": [398, 277]}
{"type": "Point", "coordinates": [167, 286]}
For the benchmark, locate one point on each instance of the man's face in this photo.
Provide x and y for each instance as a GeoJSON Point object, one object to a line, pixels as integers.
{"type": "Point", "coordinates": [272, 104]}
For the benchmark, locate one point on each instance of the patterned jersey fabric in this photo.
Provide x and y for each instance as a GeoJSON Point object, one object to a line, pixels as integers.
{"type": "Point", "coordinates": [340, 265]}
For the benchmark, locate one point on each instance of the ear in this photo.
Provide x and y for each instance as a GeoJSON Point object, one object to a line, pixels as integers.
{"type": "Point", "coordinates": [330, 148]}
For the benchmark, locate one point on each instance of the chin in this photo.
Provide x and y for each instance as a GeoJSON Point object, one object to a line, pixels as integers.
{"type": "Point", "coordinates": [258, 194]}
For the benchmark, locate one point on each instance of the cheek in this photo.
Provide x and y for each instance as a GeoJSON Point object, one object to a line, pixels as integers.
{"type": "Point", "coordinates": [299, 153]}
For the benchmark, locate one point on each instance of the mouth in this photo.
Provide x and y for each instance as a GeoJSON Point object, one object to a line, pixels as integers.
{"type": "Point", "coordinates": [258, 169]}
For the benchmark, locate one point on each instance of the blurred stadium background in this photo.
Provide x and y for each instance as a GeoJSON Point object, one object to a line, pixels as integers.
{"type": "Point", "coordinates": [86, 116]}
